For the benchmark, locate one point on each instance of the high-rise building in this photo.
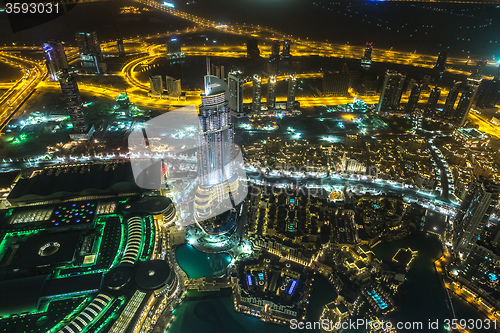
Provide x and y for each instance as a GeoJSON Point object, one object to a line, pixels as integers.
{"type": "Point", "coordinates": [218, 70]}
{"type": "Point", "coordinates": [274, 58]}
{"type": "Point", "coordinates": [71, 94]}
{"type": "Point", "coordinates": [497, 74]}
{"type": "Point", "coordinates": [90, 53]}
{"type": "Point", "coordinates": [496, 233]}
{"type": "Point", "coordinates": [292, 87]}
{"type": "Point", "coordinates": [253, 51]}
{"type": "Point", "coordinates": [366, 84]}
{"type": "Point", "coordinates": [257, 94]}
{"type": "Point", "coordinates": [392, 91]}
{"type": "Point", "coordinates": [174, 48]}
{"type": "Point", "coordinates": [55, 58]}
{"type": "Point", "coordinates": [156, 86]}
{"type": "Point", "coordinates": [87, 43]}
{"type": "Point", "coordinates": [287, 49]}
{"type": "Point", "coordinates": [121, 47]}
{"type": "Point", "coordinates": [474, 213]}
{"type": "Point", "coordinates": [440, 65]}
{"type": "Point", "coordinates": [271, 98]}
{"type": "Point", "coordinates": [93, 63]}
{"type": "Point", "coordinates": [216, 141]}
{"type": "Point", "coordinates": [481, 262]}
{"type": "Point", "coordinates": [273, 66]}
{"type": "Point", "coordinates": [449, 105]}
{"type": "Point", "coordinates": [413, 99]}
{"type": "Point", "coordinates": [275, 49]}
{"type": "Point", "coordinates": [336, 83]}
{"type": "Point", "coordinates": [235, 83]}
{"type": "Point", "coordinates": [217, 176]}
{"type": "Point", "coordinates": [477, 72]}
{"type": "Point", "coordinates": [465, 101]}
{"type": "Point", "coordinates": [488, 93]}
{"type": "Point", "coordinates": [433, 101]}
{"type": "Point", "coordinates": [173, 87]}
{"type": "Point", "coordinates": [366, 61]}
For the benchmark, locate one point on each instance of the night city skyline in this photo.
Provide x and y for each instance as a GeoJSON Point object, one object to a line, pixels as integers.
{"type": "Point", "coordinates": [250, 166]}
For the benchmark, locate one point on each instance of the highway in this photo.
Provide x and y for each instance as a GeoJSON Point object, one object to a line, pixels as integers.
{"type": "Point", "coordinates": [34, 73]}
{"type": "Point", "coordinates": [129, 68]}
{"type": "Point", "coordinates": [266, 35]}
{"type": "Point", "coordinates": [140, 100]}
{"type": "Point", "coordinates": [484, 125]}
{"type": "Point", "coordinates": [6, 85]}
{"type": "Point", "coordinates": [303, 47]}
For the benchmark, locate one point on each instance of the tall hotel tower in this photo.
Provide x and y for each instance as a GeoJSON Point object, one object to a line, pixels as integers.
{"type": "Point", "coordinates": [219, 193]}
{"type": "Point", "coordinates": [216, 138]}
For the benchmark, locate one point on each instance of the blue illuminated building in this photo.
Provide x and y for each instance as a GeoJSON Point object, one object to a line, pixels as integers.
{"type": "Point", "coordinates": [55, 58]}
{"type": "Point", "coordinates": [249, 279]}
{"type": "Point", "coordinates": [292, 287]}
{"type": "Point", "coordinates": [380, 302]}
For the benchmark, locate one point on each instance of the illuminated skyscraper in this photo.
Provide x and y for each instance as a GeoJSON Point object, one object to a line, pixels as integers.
{"type": "Point", "coordinates": [174, 48]}
{"type": "Point", "coordinates": [235, 82]}
{"type": "Point", "coordinates": [69, 88]}
{"type": "Point", "coordinates": [366, 61]}
{"type": "Point", "coordinates": [465, 101]}
{"type": "Point", "coordinates": [156, 86]}
{"type": "Point", "coordinates": [287, 49]}
{"type": "Point", "coordinates": [477, 72]}
{"type": "Point", "coordinates": [218, 70]}
{"type": "Point", "coordinates": [216, 146]}
{"type": "Point", "coordinates": [55, 58]}
{"type": "Point", "coordinates": [74, 106]}
{"type": "Point", "coordinates": [271, 98]}
{"type": "Point", "coordinates": [292, 87]}
{"type": "Point", "coordinates": [218, 181]}
{"type": "Point", "coordinates": [90, 52]}
{"type": "Point", "coordinates": [87, 43]}
{"type": "Point", "coordinates": [413, 99]}
{"type": "Point", "coordinates": [173, 87]}
{"type": "Point", "coordinates": [274, 58]}
{"type": "Point", "coordinates": [253, 51]}
{"type": "Point", "coordinates": [449, 105]}
{"type": "Point", "coordinates": [473, 215]}
{"type": "Point", "coordinates": [392, 91]}
{"type": "Point", "coordinates": [430, 109]}
{"type": "Point", "coordinates": [440, 65]}
{"type": "Point", "coordinates": [257, 94]}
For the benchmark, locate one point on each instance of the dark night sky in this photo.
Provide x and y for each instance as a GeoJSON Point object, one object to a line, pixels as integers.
{"type": "Point", "coordinates": [461, 29]}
